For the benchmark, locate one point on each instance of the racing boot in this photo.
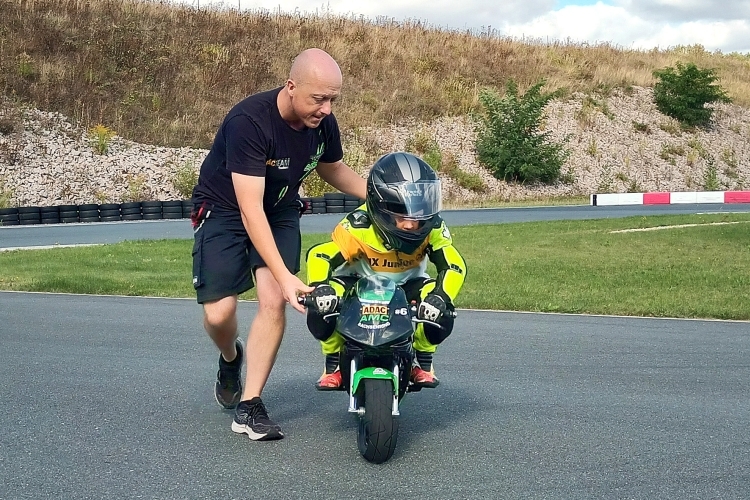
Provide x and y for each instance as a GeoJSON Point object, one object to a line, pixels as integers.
{"type": "Point", "coordinates": [422, 371]}
{"type": "Point", "coordinates": [331, 378]}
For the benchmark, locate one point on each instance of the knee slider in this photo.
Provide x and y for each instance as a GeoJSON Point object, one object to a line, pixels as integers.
{"type": "Point", "coordinates": [319, 327]}
{"type": "Point", "coordinates": [435, 335]}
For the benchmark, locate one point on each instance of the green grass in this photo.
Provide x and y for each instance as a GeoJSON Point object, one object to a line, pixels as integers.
{"type": "Point", "coordinates": [571, 266]}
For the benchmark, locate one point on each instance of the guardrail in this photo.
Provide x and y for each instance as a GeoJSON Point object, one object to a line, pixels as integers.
{"type": "Point", "coordinates": [670, 198]}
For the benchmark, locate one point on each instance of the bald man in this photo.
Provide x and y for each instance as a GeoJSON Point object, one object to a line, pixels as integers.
{"type": "Point", "coordinates": [246, 223]}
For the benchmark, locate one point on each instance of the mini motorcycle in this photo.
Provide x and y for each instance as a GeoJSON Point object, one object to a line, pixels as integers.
{"type": "Point", "coordinates": [377, 324]}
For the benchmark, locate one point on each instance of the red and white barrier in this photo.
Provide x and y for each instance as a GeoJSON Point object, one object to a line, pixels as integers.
{"type": "Point", "coordinates": [675, 198]}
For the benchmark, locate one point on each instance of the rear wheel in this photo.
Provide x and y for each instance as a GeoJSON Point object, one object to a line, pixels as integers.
{"type": "Point", "coordinates": [378, 429]}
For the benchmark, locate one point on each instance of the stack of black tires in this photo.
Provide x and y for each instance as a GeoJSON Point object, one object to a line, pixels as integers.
{"type": "Point", "coordinates": [331, 203]}
{"type": "Point", "coordinates": [92, 212]}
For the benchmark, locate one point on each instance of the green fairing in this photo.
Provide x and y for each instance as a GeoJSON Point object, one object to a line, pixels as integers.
{"type": "Point", "coordinates": [370, 372]}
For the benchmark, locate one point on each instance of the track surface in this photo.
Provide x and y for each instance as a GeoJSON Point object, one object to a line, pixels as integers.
{"type": "Point", "coordinates": [111, 397]}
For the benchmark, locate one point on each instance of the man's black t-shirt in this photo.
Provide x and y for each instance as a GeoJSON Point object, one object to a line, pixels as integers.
{"type": "Point", "coordinates": [255, 140]}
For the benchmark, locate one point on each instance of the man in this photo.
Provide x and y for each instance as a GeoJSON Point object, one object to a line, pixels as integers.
{"type": "Point", "coordinates": [246, 223]}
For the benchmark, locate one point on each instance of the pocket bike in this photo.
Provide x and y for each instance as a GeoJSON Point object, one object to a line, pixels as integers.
{"type": "Point", "coordinates": [377, 324]}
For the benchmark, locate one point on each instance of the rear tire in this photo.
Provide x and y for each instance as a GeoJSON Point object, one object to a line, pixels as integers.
{"type": "Point", "coordinates": [378, 429]}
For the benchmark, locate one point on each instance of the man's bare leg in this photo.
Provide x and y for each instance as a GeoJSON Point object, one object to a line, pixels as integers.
{"type": "Point", "coordinates": [220, 322]}
{"type": "Point", "coordinates": [265, 333]}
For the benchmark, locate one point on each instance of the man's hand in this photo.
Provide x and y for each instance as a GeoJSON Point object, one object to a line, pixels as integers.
{"type": "Point", "coordinates": [431, 308]}
{"type": "Point", "coordinates": [291, 288]}
{"type": "Point", "coordinates": [325, 298]}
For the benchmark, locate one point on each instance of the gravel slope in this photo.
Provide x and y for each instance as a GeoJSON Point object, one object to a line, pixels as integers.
{"type": "Point", "coordinates": [618, 143]}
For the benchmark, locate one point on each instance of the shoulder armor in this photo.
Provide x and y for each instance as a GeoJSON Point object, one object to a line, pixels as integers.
{"type": "Point", "coordinates": [359, 219]}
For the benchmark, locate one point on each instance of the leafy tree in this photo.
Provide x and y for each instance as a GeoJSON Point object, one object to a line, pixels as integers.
{"type": "Point", "coordinates": [683, 92]}
{"type": "Point", "coordinates": [510, 141]}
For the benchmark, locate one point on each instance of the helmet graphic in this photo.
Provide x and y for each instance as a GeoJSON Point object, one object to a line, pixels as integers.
{"type": "Point", "coordinates": [401, 185]}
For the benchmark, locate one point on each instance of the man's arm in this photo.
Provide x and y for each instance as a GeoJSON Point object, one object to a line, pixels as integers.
{"type": "Point", "coordinates": [249, 190]}
{"type": "Point", "coordinates": [343, 178]}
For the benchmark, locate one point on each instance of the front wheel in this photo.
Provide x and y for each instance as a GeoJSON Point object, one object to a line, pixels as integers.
{"type": "Point", "coordinates": [378, 429]}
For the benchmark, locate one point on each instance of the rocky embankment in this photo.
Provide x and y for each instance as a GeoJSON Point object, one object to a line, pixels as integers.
{"type": "Point", "coordinates": [617, 143]}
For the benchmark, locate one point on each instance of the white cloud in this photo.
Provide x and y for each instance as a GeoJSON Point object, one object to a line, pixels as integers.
{"type": "Point", "coordinates": [673, 11]}
{"type": "Point", "coordinates": [640, 24]}
{"type": "Point", "coordinates": [614, 24]}
{"type": "Point", "coordinates": [471, 14]}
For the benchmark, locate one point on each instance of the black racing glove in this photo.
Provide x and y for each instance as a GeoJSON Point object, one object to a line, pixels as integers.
{"type": "Point", "coordinates": [325, 299]}
{"type": "Point", "coordinates": [431, 308]}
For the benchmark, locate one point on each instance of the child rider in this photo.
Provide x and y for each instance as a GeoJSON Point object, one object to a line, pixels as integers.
{"type": "Point", "coordinates": [393, 234]}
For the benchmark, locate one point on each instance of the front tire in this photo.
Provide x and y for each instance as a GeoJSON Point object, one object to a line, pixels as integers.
{"type": "Point", "coordinates": [378, 429]}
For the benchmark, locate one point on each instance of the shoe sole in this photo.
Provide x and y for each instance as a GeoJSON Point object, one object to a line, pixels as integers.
{"type": "Point", "coordinates": [271, 435]}
{"type": "Point", "coordinates": [428, 385]}
{"type": "Point", "coordinates": [326, 388]}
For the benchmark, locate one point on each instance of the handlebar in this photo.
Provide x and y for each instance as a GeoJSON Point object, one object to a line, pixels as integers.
{"type": "Point", "coordinates": [307, 301]}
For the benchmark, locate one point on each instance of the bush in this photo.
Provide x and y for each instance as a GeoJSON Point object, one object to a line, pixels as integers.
{"type": "Point", "coordinates": [100, 136]}
{"type": "Point", "coordinates": [314, 185]}
{"type": "Point", "coordinates": [509, 140]}
{"type": "Point", "coordinates": [426, 147]}
{"type": "Point", "coordinates": [6, 196]}
{"type": "Point", "coordinates": [682, 93]}
{"type": "Point", "coordinates": [185, 179]}
{"type": "Point", "coordinates": [466, 180]}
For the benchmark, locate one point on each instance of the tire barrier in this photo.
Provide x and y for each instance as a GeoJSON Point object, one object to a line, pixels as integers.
{"type": "Point", "coordinates": [149, 210]}
{"type": "Point", "coordinates": [331, 203]}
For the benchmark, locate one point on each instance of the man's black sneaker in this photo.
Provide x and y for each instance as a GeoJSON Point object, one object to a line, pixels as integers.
{"type": "Point", "coordinates": [228, 388]}
{"type": "Point", "coordinates": [251, 418]}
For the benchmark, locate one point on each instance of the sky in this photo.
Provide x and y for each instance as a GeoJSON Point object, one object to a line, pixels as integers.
{"type": "Point", "coordinates": [722, 25]}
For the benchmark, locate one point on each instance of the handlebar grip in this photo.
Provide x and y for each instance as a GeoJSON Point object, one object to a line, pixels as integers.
{"type": "Point", "coordinates": [305, 300]}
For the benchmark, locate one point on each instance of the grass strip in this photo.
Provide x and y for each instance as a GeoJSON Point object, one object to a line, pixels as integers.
{"type": "Point", "coordinates": [700, 271]}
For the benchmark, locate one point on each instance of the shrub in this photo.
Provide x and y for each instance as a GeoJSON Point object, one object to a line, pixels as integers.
{"type": "Point", "coordinates": [137, 189]}
{"type": "Point", "coordinates": [185, 179]}
{"type": "Point", "coordinates": [683, 92]}
{"type": "Point", "coordinates": [426, 147]}
{"type": "Point", "coordinates": [509, 141]}
{"type": "Point", "coordinates": [6, 196]}
{"type": "Point", "coordinates": [314, 185]}
{"type": "Point", "coordinates": [100, 137]}
{"type": "Point", "coordinates": [711, 177]}
{"type": "Point", "coordinates": [466, 180]}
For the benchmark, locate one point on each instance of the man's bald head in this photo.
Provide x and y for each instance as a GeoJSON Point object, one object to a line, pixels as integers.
{"type": "Point", "coordinates": [314, 84]}
{"type": "Point", "coordinates": [315, 66]}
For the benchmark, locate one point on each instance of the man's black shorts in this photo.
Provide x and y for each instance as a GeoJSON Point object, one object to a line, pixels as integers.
{"type": "Point", "coordinates": [224, 259]}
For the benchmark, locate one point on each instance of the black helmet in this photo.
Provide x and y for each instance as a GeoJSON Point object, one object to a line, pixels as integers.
{"type": "Point", "coordinates": [403, 185]}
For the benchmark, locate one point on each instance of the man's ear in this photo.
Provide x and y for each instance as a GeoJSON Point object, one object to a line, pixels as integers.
{"type": "Point", "coordinates": [290, 87]}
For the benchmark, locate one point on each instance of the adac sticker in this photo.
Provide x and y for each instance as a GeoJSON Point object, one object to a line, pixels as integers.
{"type": "Point", "coordinates": [375, 315]}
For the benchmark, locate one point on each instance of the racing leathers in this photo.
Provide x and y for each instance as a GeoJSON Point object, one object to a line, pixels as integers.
{"type": "Point", "coordinates": [356, 250]}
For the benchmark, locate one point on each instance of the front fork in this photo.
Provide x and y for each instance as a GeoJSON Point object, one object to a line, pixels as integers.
{"type": "Point", "coordinates": [399, 373]}
{"type": "Point", "coordinates": [354, 406]}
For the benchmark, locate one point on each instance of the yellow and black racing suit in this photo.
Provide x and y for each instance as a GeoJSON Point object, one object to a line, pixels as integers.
{"type": "Point", "coordinates": [357, 251]}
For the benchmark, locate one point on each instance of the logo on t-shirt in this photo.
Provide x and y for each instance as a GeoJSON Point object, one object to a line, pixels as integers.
{"type": "Point", "coordinates": [314, 158]}
{"type": "Point", "coordinates": [281, 163]}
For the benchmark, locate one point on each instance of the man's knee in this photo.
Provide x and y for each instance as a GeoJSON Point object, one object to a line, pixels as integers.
{"type": "Point", "coordinates": [270, 297]}
{"type": "Point", "coordinates": [220, 312]}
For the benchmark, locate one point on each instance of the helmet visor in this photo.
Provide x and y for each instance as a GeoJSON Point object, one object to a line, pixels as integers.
{"type": "Point", "coordinates": [417, 200]}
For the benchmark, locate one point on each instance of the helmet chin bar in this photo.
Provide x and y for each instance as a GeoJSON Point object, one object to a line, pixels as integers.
{"type": "Point", "coordinates": [398, 239]}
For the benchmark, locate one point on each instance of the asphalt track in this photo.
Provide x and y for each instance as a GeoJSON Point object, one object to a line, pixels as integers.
{"type": "Point", "coordinates": [111, 397]}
